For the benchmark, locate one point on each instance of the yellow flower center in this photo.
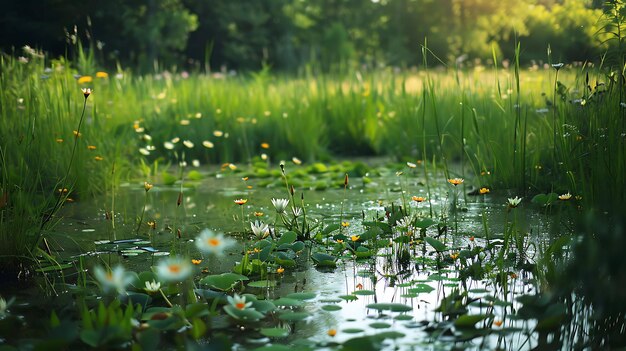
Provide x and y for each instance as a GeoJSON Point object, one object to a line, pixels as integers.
{"type": "Point", "coordinates": [213, 242]}
{"type": "Point", "coordinates": [174, 268]}
{"type": "Point", "coordinates": [240, 305]}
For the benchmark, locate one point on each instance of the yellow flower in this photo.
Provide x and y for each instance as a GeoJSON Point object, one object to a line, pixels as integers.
{"type": "Point", "coordinates": [91, 147]}
{"type": "Point", "coordinates": [565, 196]}
{"type": "Point", "coordinates": [296, 161]}
{"type": "Point", "coordinates": [355, 238]}
{"type": "Point", "coordinates": [85, 79]}
{"type": "Point", "coordinates": [345, 224]}
{"type": "Point", "coordinates": [454, 255]}
{"type": "Point", "coordinates": [232, 166]}
{"type": "Point", "coordinates": [455, 181]}
{"type": "Point", "coordinates": [77, 134]}
{"type": "Point", "coordinates": [218, 133]}
{"type": "Point", "coordinates": [280, 270]}
{"type": "Point", "coordinates": [258, 214]}
{"type": "Point", "coordinates": [265, 145]}
{"type": "Point", "coordinates": [151, 224]}
{"type": "Point", "coordinates": [497, 323]}
{"type": "Point", "coordinates": [241, 202]}
{"type": "Point", "coordinates": [484, 191]}
{"type": "Point", "coordinates": [98, 158]}
{"type": "Point", "coordinates": [332, 332]}
{"type": "Point", "coordinates": [196, 262]}
{"type": "Point", "coordinates": [418, 198]}
{"type": "Point", "coordinates": [59, 140]}
{"type": "Point", "coordinates": [147, 186]}
{"type": "Point", "coordinates": [102, 75]}
{"type": "Point", "coordinates": [339, 241]}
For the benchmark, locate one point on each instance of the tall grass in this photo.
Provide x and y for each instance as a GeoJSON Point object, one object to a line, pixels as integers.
{"type": "Point", "coordinates": [510, 126]}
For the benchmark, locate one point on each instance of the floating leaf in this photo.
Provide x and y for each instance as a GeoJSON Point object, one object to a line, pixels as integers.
{"type": "Point", "coordinates": [262, 284]}
{"type": "Point", "coordinates": [287, 238]}
{"type": "Point", "coordinates": [331, 308]}
{"type": "Point", "coordinates": [224, 281]}
{"type": "Point", "coordinates": [352, 330]}
{"type": "Point", "coordinates": [293, 316]}
{"type": "Point", "coordinates": [393, 307]}
{"type": "Point", "coordinates": [275, 332]}
{"type": "Point", "coordinates": [348, 297]}
{"type": "Point", "coordinates": [380, 325]}
{"type": "Point", "coordinates": [302, 296]}
{"type": "Point", "coordinates": [247, 314]}
{"type": "Point", "coordinates": [287, 302]}
{"type": "Point", "coordinates": [421, 288]}
{"type": "Point", "coordinates": [364, 292]}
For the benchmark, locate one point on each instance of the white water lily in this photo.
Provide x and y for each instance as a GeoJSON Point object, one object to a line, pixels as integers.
{"type": "Point", "coordinates": [239, 302]}
{"type": "Point", "coordinates": [514, 201]}
{"type": "Point", "coordinates": [152, 287]}
{"type": "Point", "coordinates": [297, 211]}
{"type": "Point", "coordinates": [209, 242]}
{"type": "Point", "coordinates": [280, 204]}
{"type": "Point", "coordinates": [116, 279]}
{"type": "Point", "coordinates": [174, 270]}
{"type": "Point", "coordinates": [260, 230]}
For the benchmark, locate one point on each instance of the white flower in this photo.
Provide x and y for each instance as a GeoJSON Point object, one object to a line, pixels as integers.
{"type": "Point", "coordinates": [280, 204]}
{"type": "Point", "coordinates": [207, 144]}
{"type": "Point", "coordinates": [152, 287]}
{"type": "Point", "coordinates": [209, 242]}
{"type": "Point", "coordinates": [113, 280]}
{"type": "Point", "coordinates": [174, 269]}
{"type": "Point", "coordinates": [514, 201]}
{"type": "Point", "coordinates": [188, 144]}
{"type": "Point", "coordinates": [168, 145]}
{"type": "Point", "coordinates": [260, 229]}
{"type": "Point", "coordinates": [239, 302]}
{"type": "Point", "coordinates": [297, 211]}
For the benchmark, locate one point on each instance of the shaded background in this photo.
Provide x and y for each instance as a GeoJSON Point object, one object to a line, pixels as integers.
{"type": "Point", "coordinates": [289, 35]}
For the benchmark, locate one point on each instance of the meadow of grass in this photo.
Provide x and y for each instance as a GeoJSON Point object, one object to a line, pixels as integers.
{"type": "Point", "coordinates": [536, 129]}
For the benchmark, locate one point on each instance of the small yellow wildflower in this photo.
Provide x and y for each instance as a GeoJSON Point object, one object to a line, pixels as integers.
{"type": "Point", "coordinates": [280, 270]}
{"type": "Point", "coordinates": [483, 191]}
{"type": "Point", "coordinates": [345, 224]}
{"type": "Point", "coordinates": [98, 158]}
{"type": "Point", "coordinates": [332, 332]}
{"type": "Point", "coordinates": [454, 255]}
{"type": "Point", "coordinates": [91, 147]}
{"type": "Point", "coordinates": [355, 238]}
{"type": "Point", "coordinates": [497, 323]}
{"type": "Point", "coordinates": [565, 196]}
{"type": "Point", "coordinates": [85, 79]}
{"type": "Point", "coordinates": [339, 241]}
{"type": "Point", "coordinates": [241, 202]}
{"type": "Point", "coordinates": [147, 186]}
{"type": "Point", "coordinates": [418, 198]}
{"type": "Point", "coordinates": [196, 262]}
{"type": "Point", "coordinates": [265, 145]}
{"type": "Point", "coordinates": [258, 214]}
{"type": "Point", "coordinates": [77, 133]}
{"type": "Point", "coordinates": [456, 181]}
{"type": "Point", "coordinates": [102, 75]}
{"type": "Point", "coordinates": [59, 140]}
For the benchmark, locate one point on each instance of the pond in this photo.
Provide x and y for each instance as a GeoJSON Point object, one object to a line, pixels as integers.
{"type": "Point", "coordinates": [391, 261]}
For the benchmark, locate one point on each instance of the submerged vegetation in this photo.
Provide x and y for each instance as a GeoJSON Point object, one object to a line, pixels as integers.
{"type": "Point", "coordinates": [491, 218]}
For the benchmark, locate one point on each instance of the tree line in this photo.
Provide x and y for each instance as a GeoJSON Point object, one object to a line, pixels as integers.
{"type": "Point", "coordinates": [289, 35]}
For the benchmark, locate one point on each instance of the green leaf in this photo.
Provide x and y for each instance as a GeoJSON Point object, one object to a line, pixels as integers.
{"type": "Point", "coordinates": [331, 308]}
{"type": "Point", "coordinates": [302, 296]}
{"type": "Point", "coordinates": [421, 288]}
{"type": "Point", "coordinates": [287, 238]}
{"type": "Point", "coordinates": [364, 292]}
{"type": "Point", "coordinates": [436, 244]}
{"type": "Point", "coordinates": [224, 281]}
{"type": "Point", "coordinates": [393, 307]}
{"type": "Point", "coordinates": [331, 228]}
{"type": "Point", "coordinates": [275, 332]}
{"type": "Point", "coordinates": [290, 316]}
{"type": "Point", "coordinates": [424, 223]}
{"type": "Point", "coordinates": [262, 284]}
{"type": "Point", "coordinates": [468, 321]}
{"type": "Point", "coordinates": [287, 302]}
